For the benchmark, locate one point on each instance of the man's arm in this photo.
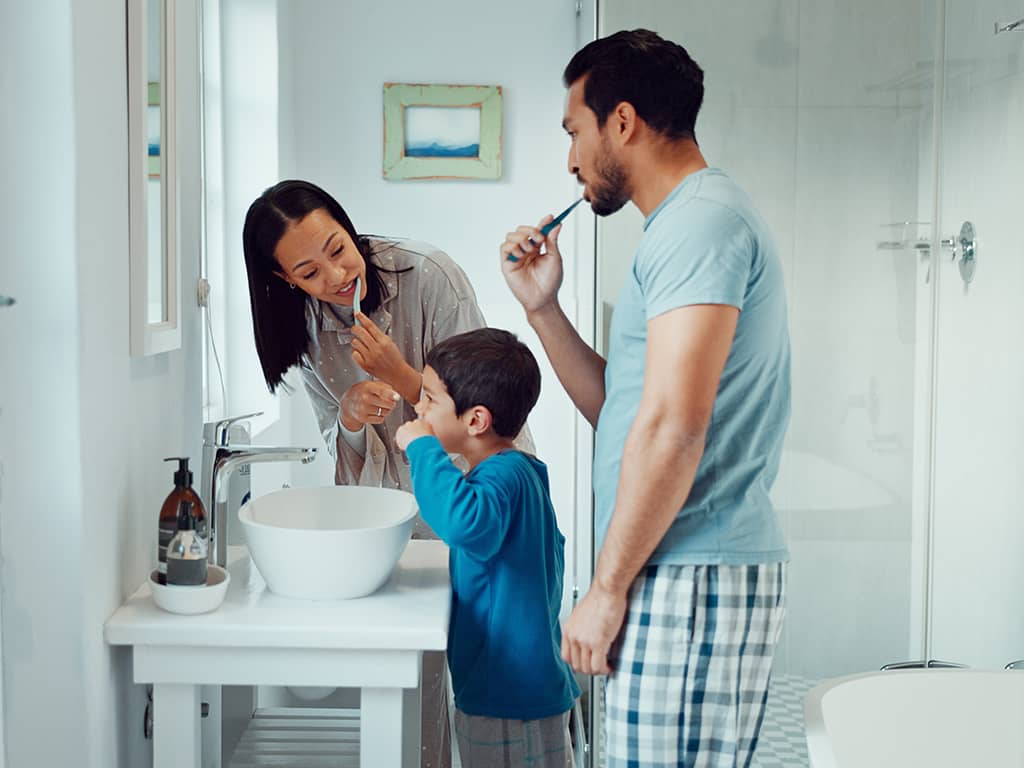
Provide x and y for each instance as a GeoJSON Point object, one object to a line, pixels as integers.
{"type": "Point", "coordinates": [532, 266]}
{"type": "Point", "coordinates": [578, 367]}
{"type": "Point", "coordinates": [686, 353]}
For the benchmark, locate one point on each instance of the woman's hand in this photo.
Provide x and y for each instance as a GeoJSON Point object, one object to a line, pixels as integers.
{"type": "Point", "coordinates": [367, 402]}
{"type": "Point", "coordinates": [410, 431]}
{"type": "Point", "coordinates": [375, 352]}
{"type": "Point", "coordinates": [536, 274]}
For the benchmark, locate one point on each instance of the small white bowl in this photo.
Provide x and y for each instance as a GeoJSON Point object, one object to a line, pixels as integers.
{"type": "Point", "coordinates": [191, 600]}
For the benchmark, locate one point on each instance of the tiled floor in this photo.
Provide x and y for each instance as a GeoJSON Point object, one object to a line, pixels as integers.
{"type": "Point", "coordinates": [782, 743]}
{"type": "Point", "coordinates": [285, 738]}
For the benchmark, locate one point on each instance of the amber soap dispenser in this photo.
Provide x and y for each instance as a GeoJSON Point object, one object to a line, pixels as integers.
{"type": "Point", "coordinates": [183, 492]}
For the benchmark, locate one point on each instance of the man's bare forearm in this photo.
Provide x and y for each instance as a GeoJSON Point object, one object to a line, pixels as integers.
{"type": "Point", "coordinates": [659, 463]}
{"type": "Point", "coordinates": [578, 367]}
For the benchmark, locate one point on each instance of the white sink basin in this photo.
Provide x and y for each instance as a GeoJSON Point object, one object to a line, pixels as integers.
{"type": "Point", "coordinates": [327, 543]}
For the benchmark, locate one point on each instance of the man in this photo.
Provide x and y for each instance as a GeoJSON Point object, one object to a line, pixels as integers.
{"type": "Point", "coordinates": [690, 409]}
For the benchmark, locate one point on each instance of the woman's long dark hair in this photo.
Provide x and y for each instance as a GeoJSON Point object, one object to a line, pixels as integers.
{"type": "Point", "coordinates": [278, 311]}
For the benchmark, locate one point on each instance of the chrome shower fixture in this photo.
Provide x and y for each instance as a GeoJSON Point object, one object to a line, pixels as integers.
{"type": "Point", "coordinates": [1016, 26]}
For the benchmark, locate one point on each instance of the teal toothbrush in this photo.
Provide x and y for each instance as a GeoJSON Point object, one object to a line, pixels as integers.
{"type": "Point", "coordinates": [546, 229]}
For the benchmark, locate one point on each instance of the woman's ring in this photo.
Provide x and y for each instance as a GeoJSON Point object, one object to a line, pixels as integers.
{"type": "Point", "coordinates": [380, 411]}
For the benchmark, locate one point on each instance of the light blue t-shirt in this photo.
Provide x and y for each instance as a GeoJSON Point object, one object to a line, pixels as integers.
{"type": "Point", "coordinates": [705, 244]}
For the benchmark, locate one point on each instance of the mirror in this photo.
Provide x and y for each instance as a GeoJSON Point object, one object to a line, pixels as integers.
{"type": "Point", "coordinates": [155, 301]}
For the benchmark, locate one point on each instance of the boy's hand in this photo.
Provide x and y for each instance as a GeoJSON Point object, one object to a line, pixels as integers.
{"type": "Point", "coordinates": [410, 431]}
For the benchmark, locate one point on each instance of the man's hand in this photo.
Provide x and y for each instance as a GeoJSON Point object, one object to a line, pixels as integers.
{"type": "Point", "coordinates": [410, 431]}
{"type": "Point", "coordinates": [588, 633]}
{"type": "Point", "coordinates": [536, 274]}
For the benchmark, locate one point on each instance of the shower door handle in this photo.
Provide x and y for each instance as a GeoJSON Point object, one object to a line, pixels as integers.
{"type": "Point", "coordinates": [6, 301]}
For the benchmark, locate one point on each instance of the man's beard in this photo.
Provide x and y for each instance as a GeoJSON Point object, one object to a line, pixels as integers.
{"type": "Point", "coordinates": [608, 193]}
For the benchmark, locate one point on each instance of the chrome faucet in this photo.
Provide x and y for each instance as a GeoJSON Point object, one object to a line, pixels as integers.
{"type": "Point", "coordinates": [220, 459]}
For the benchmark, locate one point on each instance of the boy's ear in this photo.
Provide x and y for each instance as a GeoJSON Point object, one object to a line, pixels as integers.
{"type": "Point", "coordinates": [478, 420]}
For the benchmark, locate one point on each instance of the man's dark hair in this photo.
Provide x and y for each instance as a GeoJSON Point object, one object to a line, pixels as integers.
{"type": "Point", "coordinates": [492, 368]}
{"type": "Point", "coordinates": [658, 77]}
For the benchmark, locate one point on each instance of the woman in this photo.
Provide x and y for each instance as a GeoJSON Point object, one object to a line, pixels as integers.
{"type": "Point", "coordinates": [303, 258]}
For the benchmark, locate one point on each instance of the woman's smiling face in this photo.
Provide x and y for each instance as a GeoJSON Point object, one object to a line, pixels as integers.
{"type": "Point", "coordinates": [317, 255]}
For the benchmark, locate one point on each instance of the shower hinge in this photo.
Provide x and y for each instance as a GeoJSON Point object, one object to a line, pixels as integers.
{"type": "Point", "coordinates": [965, 246]}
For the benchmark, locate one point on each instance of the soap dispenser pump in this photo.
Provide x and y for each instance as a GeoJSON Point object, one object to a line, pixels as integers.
{"type": "Point", "coordinates": [183, 492]}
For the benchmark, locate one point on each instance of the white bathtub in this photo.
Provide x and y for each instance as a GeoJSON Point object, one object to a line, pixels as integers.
{"type": "Point", "coordinates": [919, 718]}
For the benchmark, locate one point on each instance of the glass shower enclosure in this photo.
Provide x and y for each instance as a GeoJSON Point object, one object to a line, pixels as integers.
{"type": "Point", "coordinates": [859, 129]}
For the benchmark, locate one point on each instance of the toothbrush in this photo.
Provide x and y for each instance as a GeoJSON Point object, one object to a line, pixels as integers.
{"type": "Point", "coordinates": [355, 300]}
{"type": "Point", "coordinates": [546, 229]}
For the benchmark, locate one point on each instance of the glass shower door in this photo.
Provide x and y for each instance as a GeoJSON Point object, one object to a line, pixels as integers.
{"type": "Point", "coordinates": [977, 570]}
{"type": "Point", "coordinates": [823, 111]}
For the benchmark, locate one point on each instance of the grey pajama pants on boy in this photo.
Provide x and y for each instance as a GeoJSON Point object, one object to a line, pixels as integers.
{"type": "Point", "coordinates": [488, 742]}
{"type": "Point", "coordinates": [691, 666]}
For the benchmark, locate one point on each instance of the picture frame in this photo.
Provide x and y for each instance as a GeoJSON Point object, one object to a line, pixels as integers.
{"type": "Point", "coordinates": [435, 131]}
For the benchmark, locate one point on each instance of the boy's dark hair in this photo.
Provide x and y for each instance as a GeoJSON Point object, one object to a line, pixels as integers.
{"type": "Point", "coordinates": [658, 77]}
{"type": "Point", "coordinates": [492, 368]}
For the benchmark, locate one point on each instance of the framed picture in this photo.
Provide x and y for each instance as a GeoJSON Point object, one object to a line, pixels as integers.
{"type": "Point", "coordinates": [442, 131]}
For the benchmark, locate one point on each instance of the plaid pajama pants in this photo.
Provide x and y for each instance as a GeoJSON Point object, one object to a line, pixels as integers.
{"type": "Point", "coordinates": [692, 664]}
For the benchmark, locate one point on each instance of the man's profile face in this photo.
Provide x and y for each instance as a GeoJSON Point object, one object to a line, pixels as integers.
{"type": "Point", "coordinates": [592, 157]}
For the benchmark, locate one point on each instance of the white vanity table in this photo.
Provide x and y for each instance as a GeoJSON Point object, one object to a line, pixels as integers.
{"type": "Point", "coordinates": [373, 643]}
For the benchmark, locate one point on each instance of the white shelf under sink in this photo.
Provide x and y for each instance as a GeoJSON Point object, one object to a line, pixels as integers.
{"type": "Point", "coordinates": [299, 737]}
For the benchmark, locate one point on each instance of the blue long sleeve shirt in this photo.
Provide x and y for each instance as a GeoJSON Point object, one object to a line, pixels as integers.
{"type": "Point", "coordinates": [506, 559]}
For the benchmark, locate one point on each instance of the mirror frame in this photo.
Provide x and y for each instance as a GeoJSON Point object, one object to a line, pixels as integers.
{"type": "Point", "coordinates": [146, 337]}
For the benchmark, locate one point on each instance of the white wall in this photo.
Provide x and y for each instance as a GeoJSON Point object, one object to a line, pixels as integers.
{"type": "Point", "coordinates": [84, 427]}
{"type": "Point", "coordinates": [40, 502]}
{"type": "Point", "coordinates": [334, 59]}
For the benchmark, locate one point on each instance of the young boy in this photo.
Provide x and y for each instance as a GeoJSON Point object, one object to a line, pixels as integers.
{"type": "Point", "coordinates": [513, 691]}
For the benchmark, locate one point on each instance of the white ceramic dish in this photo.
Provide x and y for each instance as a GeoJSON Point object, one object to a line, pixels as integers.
{"type": "Point", "coordinates": [191, 600]}
{"type": "Point", "coordinates": [329, 543]}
